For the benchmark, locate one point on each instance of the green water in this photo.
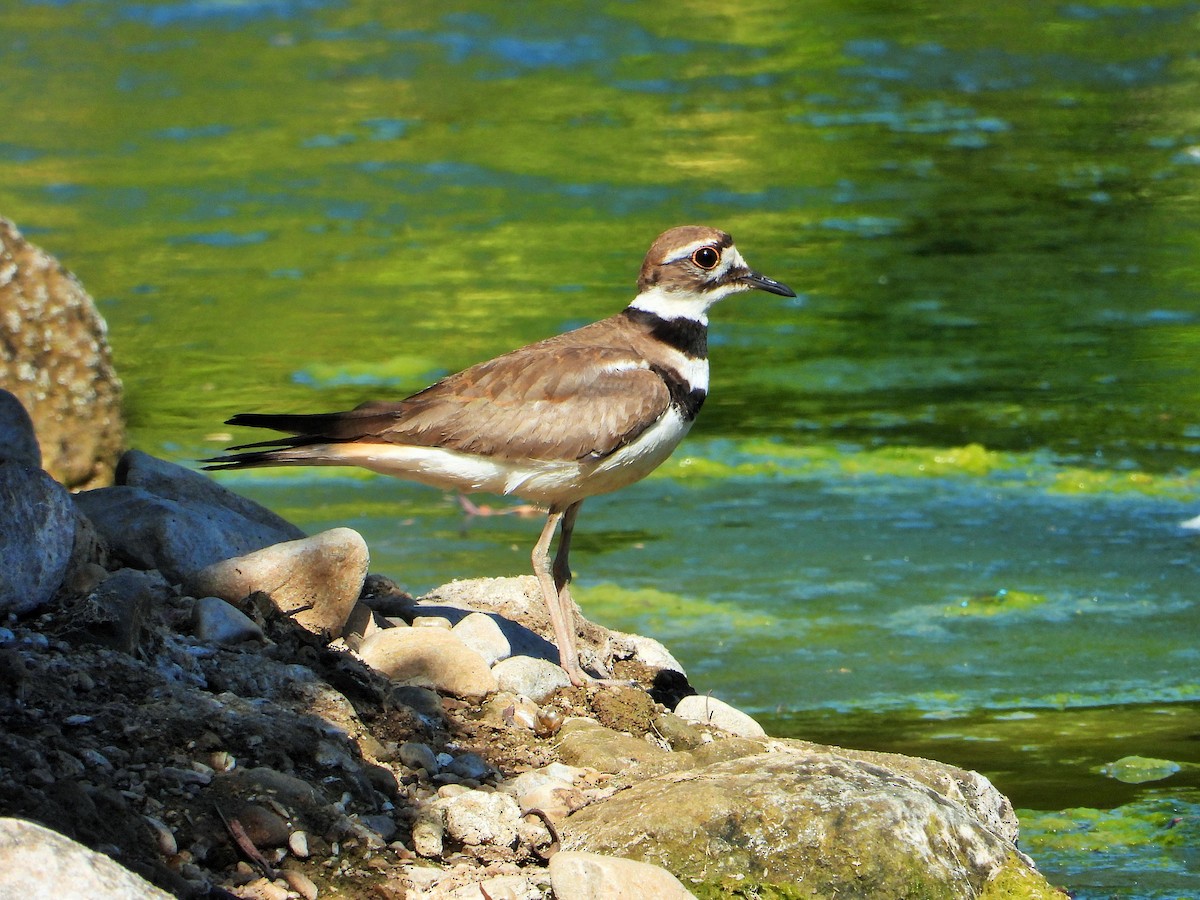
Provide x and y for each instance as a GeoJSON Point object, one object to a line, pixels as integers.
{"type": "Point", "coordinates": [931, 505]}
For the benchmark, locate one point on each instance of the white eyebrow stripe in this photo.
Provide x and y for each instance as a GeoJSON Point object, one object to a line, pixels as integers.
{"type": "Point", "coordinates": [688, 250]}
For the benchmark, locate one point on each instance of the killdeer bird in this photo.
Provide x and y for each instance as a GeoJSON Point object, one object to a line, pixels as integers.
{"type": "Point", "coordinates": [556, 422]}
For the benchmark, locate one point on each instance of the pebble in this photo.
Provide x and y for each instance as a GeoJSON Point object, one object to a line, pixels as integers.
{"type": "Point", "coordinates": [218, 622]}
{"type": "Point", "coordinates": [298, 844]}
{"type": "Point", "coordinates": [427, 833]}
{"type": "Point", "coordinates": [301, 884]}
{"type": "Point", "coordinates": [528, 676]}
{"type": "Point", "coordinates": [415, 755]}
{"type": "Point", "coordinates": [470, 765]}
{"type": "Point", "coordinates": [706, 710]}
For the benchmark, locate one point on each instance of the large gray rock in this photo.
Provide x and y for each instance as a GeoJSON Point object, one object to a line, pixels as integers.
{"type": "Point", "coordinates": [37, 537]}
{"type": "Point", "coordinates": [163, 516]}
{"type": "Point", "coordinates": [808, 820]}
{"type": "Point", "coordinates": [54, 357]}
{"type": "Point", "coordinates": [39, 864]}
{"type": "Point", "coordinates": [314, 581]}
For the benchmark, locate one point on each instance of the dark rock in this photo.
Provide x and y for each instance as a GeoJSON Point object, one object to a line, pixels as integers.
{"type": "Point", "coordinates": [18, 443]}
{"type": "Point", "coordinates": [175, 520]}
{"type": "Point", "coordinates": [37, 537]}
{"type": "Point", "coordinates": [115, 613]}
{"type": "Point", "coordinates": [54, 357]}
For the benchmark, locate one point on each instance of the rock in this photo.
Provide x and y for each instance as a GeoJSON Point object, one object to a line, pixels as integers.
{"type": "Point", "coordinates": [360, 625]}
{"type": "Point", "coordinates": [175, 520]}
{"type": "Point", "coordinates": [585, 743]}
{"type": "Point", "coordinates": [18, 442]}
{"type": "Point", "coordinates": [526, 676]}
{"type": "Point", "coordinates": [314, 581]}
{"type": "Point", "coordinates": [551, 789]}
{"type": "Point", "coordinates": [647, 651]}
{"type": "Point", "coordinates": [431, 657]}
{"type": "Point", "coordinates": [264, 827]}
{"type": "Point", "coordinates": [480, 632]}
{"type": "Point", "coordinates": [115, 612]}
{"type": "Point", "coordinates": [218, 622]}
{"type": "Point", "coordinates": [470, 765]}
{"type": "Point", "coordinates": [416, 755]}
{"type": "Point", "coordinates": [428, 832]}
{"type": "Point", "coordinates": [520, 613]}
{"type": "Point", "coordinates": [54, 357]}
{"type": "Point", "coordinates": [37, 536]}
{"type": "Point", "coordinates": [39, 864]}
{"type": "Point", "coordinates": [174, 482]}
{"type": "Point", "coordinates": [800, 820]}
{"type": "Point", "coordinates": [477, 818]}
{"type": "Point", "coordinates": [577, 875]}
{"type": "Point", "coordinates": [706, 710]}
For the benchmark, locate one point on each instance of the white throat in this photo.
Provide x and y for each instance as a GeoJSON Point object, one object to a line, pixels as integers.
{"type": "Point", "coordinates": [674, 304]}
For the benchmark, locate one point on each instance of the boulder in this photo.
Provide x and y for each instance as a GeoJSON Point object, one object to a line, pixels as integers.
{"type": "Point", "coordinates": [37, 537]}
{"type": "Point", "coordinates": [701, 709]}
{"type": "Point", "coordinates": [54, 356]}
{"type": "Point", "coordinates": [805, 820]}
{"type": "Point", "coordinates": [163, 516]}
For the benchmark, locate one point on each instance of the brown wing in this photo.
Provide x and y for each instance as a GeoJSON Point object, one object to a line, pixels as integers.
{"type": "Point", "coordinates": [564, 402]}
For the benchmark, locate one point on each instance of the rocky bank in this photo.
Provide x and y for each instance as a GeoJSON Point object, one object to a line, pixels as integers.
{"type": "Point", "coordinates": [197, 700]}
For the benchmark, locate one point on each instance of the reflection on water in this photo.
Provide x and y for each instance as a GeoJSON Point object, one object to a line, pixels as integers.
{"type": "Point", "coordinates": [989, 210]}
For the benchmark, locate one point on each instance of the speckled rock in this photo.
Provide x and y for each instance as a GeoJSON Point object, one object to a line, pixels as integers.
{"type": "Point", "coordinates": [54, 357]}
{"type": "Point", "coordinates": [576, 875]}
{"type": "Point", "coordinates": [801, 819]}
{"type": "Point", "coordinates": [476, 818]}
{"type": "Point", "coordinates": [37, 863]}
{"type": "Point", "coordinates": [314, 581]}
{"type": "Point", "coordinates": [37, 537]}
{"type": "Point", "coordinates": [703, 709]}
{"type": "Point", "coordinates": [429, 657]}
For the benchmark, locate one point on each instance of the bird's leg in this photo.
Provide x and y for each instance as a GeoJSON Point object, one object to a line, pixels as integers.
{"type": "Point", "coordinates": [562, 566]}
{"type": "Point", "coordinates": [564, 631]}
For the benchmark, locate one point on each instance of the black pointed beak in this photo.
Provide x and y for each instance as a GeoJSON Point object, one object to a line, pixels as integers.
{"type": "Point", "coordinates": [770, 285]}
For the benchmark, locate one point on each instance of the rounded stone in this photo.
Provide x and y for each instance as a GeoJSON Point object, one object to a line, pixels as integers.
{"type": "Point", "coordinates": [315, 581]}
{"type": "Point", "coordinates": [37, 538]}
{"type": "Point", "coordinates": [704, 710]}
{"type": "Point", "coordinates": [530, 677]}
{"type": "Point", "coordinates": [432, 657]}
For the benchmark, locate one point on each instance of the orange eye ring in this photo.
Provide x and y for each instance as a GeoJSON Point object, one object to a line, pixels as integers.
{"type": "Point", "coordinates": [706, 258]}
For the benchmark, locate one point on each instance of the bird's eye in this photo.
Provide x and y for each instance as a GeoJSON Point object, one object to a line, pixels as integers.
{"type": "Point", "coordinates": [706, 258]}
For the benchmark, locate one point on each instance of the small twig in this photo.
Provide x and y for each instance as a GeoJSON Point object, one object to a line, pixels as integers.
{"type": "Point", "coordinates": [555, 841]}
{"type": "Point", "coordinates": [238, 833]}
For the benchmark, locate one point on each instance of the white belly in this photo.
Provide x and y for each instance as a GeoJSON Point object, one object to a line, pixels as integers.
{"type": "Point", "coordinates": [557, 482]}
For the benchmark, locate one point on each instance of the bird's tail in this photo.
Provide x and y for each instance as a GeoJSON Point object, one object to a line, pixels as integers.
{"type": "Point", "coordinates": [301, 444]}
